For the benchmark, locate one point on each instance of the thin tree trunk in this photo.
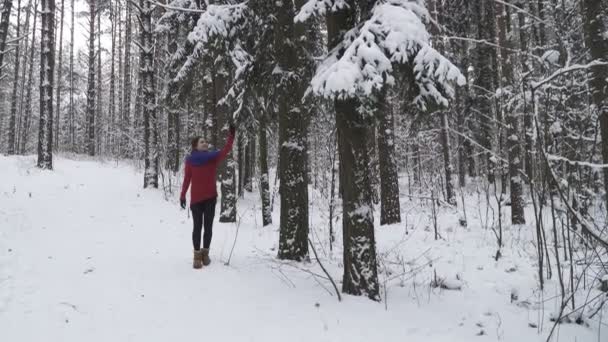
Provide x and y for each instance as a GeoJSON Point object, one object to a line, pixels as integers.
{"type": "Point", "coordinates": [264, 176]}
{"type": "Point", "coordinates": [112, 93]}
{"type": "Point", "coordinates": [4, 22]}
{"type": "Point", "coordinates": [90, 132]}
{"type": "Point", "coordinates": [12, 125]}
{"type": "Point", "coordinates": [98, 113]}
{"type": "Point", "coordinates": [126, 95]}
{"type": "Point", "coordinates": [72, 111]}
{"type": "Point", "coordinates": [27, 116]}
{"type": "Point", "coordinates": [513, 141]}
{"type": "Point", "coordinates": [59, 77]}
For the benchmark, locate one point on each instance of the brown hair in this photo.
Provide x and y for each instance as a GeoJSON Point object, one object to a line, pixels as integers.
{"type": "Point", "coordinates": [194, 142]}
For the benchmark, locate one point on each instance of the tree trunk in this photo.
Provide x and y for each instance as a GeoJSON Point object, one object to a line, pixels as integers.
{"type": "Point", "coordinates": [360, 268]}
{"type": "Point", "coordinates": [227, 174]}
{"type": "Point", "coordinates": [112, 92]}
{"type": "Point", "coordinates": [513, 141]}
{"type": "Point", "coordinates": [90, 131]}
{"type": "Point", "coordinates": [99, 127]}
{"type": "Point", "coordinates": [390, 210]}
{"type": "Point", "coordinates": [597, 41]}
{"type": "Point", "coordinates": [12, 125]}
{"type": "Point", "coordinates": [27, 116]}
{"type": "Point", "coordinates": [264, 177]}
{"type": "Point", "coordinates": [47, 72]}
{"type": "Point", "coordinates": [447, 159]}
{"type": "Point", "coordinates": [126, 109]}
{"type": "Point", "coordinates": [485, 85]}
{"type": "Point", "coordinates": [59, 77]}
{"type": "Point", "coordinates": [72, 111]}
{"type": "Point", "coordinates": [148, 88]}
{"type": "Point", "coordinates": [4, 22]}
{"type": "Point", "coordinates": [293, 188]}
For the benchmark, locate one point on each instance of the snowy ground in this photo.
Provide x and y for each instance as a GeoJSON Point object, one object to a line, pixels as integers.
{"type": "Point", "coordinates": [87, 255]}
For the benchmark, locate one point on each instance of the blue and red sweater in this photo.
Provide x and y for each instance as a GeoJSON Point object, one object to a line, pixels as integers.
{"type": "Point", "coordinates": [201, 171]}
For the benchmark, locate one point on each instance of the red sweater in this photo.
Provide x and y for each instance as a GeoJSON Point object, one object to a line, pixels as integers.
{"type": "Point", "coordinates": [203, 178]}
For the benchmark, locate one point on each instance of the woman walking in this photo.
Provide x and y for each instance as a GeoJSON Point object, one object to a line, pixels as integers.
{"type": "Point", "coordinates": [200, 176]}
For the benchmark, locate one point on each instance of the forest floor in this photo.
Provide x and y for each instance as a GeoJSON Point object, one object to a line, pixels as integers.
{"type": "Point", "coordinates": [87, 255]}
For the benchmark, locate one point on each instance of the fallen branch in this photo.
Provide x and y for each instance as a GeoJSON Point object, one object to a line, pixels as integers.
{"type": "Point", "coordinates": [324, 270]}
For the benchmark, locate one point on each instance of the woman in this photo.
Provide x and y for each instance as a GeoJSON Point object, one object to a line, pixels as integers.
{"type": "Point", "coordinates": [201, 171]}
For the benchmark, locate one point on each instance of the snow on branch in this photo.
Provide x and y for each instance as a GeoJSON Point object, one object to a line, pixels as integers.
{"type": "Point", "coordinates": [314, 8]}
{"type": "Point", "coordinates": [218, 21]}
{"type": "Point", "coordinates": [395, 33]}
{"type": "Point", "coordinates": [177, 11]}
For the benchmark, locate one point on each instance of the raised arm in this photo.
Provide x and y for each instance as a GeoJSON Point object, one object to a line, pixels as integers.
{"type": "Point", "coordinates": [224, 152]}
{"type": "Point", "coordinates": [187, 179]}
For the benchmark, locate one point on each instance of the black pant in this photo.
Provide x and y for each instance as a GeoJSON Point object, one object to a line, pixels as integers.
{"type": "Point", "coordinates": [202, 211]}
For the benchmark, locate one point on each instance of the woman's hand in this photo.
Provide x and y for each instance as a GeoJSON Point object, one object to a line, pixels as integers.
{"type": "Point", "coordinates": [232, 129]}
{"type": "Point", "coordinates": [182, 203]}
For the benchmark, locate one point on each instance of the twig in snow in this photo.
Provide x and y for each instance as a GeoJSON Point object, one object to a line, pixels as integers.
{"type": "Point", "coordinates": [324, 270]}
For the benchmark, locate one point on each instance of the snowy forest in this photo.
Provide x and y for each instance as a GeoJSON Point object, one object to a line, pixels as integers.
{"type": "Point", "coordinates": [389, 136]}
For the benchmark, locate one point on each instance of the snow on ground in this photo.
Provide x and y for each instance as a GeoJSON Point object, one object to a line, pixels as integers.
{"type": "Point", "coordinates": [87, 255]}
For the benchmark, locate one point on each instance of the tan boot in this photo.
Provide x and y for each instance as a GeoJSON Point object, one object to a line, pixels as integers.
{"type": "Point", "coordinates": [206, 260]}
{"type": "Point", "coordinates": [197, 263]}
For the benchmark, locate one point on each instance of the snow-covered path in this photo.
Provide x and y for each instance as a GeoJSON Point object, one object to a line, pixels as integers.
{"type": "Point", "coordinates": [87, 255]}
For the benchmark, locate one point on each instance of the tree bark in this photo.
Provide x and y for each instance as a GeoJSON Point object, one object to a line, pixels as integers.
{"type": "Point", "coordinates": [27, 115]}
{"type": "Point", "coordinates": [47, 73]}
{"type": "Point", "coordinates": [126, 95]}
{"type": "Point", "coordinates": [90, 126]}
{"type": "Point", "coordinates": [59, 77]}
{"type": "Point", "coordinates": [12, 125]}
{"type": "Point", "coordinates": [293, 126]}
{"type": "Point", "coordinates": [390, 209]}
{"type": "Point", "coordinates": [264, 177]}
{"type": "Point", "coordinates": [148, 89]}
{"type": "Point", "coordinates": [513, 141]}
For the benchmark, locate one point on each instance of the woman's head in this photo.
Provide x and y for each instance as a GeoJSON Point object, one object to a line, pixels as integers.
{"type": "Point", "coordinates": [199, 144]}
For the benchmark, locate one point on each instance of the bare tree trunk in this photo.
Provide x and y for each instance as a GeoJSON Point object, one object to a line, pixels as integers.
{"type": "Point", "coordinates": [112, 93]}
{"type": "Point", "coordinates": [293, 242]}
{"type": "Point", "coordinates": [100, 123]}
{"type": "Point", "coordinates": [47, 73]}
{"type": "Point", "coordinates": [72, 111]}
{"type": "Point", "coordinates": [12, 126]}
{"type": "Point", "coordinates": [148, 87]}
{"type": "Point", "coordinates": [264, 177]}
{"type": "Point", "coordinates": [513, 141]}
{"type": "Point", "coordinates": [59, 77]}
{"type": "Point", "coordinates": [126, 95]}
{"type": "Point", "coordinates": [90, 132]}
{"type": "Point", "coordinates": [4, 21]}
{"type": "Point", "coordinates": [27, 116]}
{"type": "Point", "coordinates": [390, 210]}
